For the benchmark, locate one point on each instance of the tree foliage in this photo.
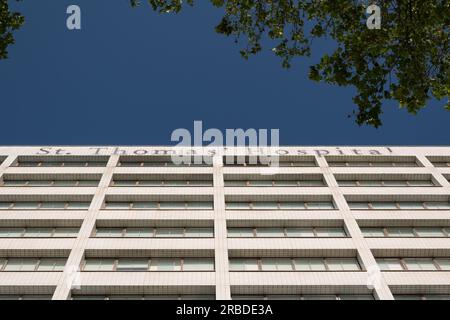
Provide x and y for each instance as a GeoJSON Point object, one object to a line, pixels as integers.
{"type": "Point", "coordinates": [9, 21]}
{"type": "Point", "coordinates": [407, 60]}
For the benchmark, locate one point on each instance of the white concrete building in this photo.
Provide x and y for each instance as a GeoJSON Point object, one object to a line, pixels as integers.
{"type": "Point", "coordinates": [125, 222]}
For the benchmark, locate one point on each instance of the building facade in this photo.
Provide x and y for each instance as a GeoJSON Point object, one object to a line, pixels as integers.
{"type": "Point", "coordinates": [128, 223]}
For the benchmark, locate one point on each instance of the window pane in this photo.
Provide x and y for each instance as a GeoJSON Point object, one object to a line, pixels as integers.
{"type": "Point", "coordinates": [26, 205]}
{"type": "Point", "coordinates": [165, 264]}
{"type": "Point", "coordinates": [38, 232]}
{"type": "Point", "coordinates": [395, 183]}
{"type": "Point", "coordinates": [437, 205]}
{"type": "Point", "coordinates": [372, 232]}
{"type": "Point", "coordinates": [238, 264]}
{"type": "Point", "coordinates": [300, 232]}
{"type": "Point", "coordinates": [265, 205]}
{"type": "Point", "coordinates": [139, 233]}
{"type": "Point", "coordinates": [235, 183]}
{"type": "Point", "coordinates": [407, 297]}
{"type": "Point", "coordinates": [319, 297]}
{"type": "Point", "coordinates": [53, 205]}
{"type": "Point", "coordinates": [261, 183]}
{"type": "Point", "coordinates": [421, 183]}
{"type": "Point", "coordinates": [39, 183]}
{"type": "Point", "coordinates": [292, 205]}
{"type": "Point", "coordinates": [169, 232]}
{"type": "Point", "coordinates": [237, 205]}
{"type": "Point", "coordinates": [370, 183]}
{"type": "Point", "coordinates": [99, 265]}
{"type": "Point", "coordinates": [197, 264]}
{"type": "Point", "coordinates": [87, 183]}
{"type": "Point", "coordinates": [400, 232]}
{"type": "Point", "coordinates": [309, 264]}
{"type": "Point", "coordinates": [173, 205]}
{"type": "Point", "coordinates": [201, 183]}
{"type": "Point", "coordinates": [78, 205]}
{"type": "Point", "coordinates": [11, 232]}
{"type": "Point", "coordinates": [125, 264]}
{"type": "Point", "coordinates": [175, 183]}
{"type": "Point", "coordinates": [240, 233]}
{"type": "Point", "coordinates": [51, 265]}
{"type": "Point", "coordinates": [411, 205]}
{"type": "Point", "coordinates": [430, 232]}
{"type": "Point", "coordinates": [17, 264]}
{"type": "Point", "coordinates": [384, 205]}
{"type": "Point", "coordinates": [356, 297]}
{"type": "Point", "coordinates": [200, 205]}
{"type": "Point", "coordinates": [286, 183]}
{"type": "Point", "coordinates": [343, 264]}
{"type": "Point", "coordinates": [276, 264]}
{"type": "Point", "coordinates": [199, 232]}
{"type": "Point", "coordinates": [330, 232]}
{"type": "Point", "coordinates": [282, 297]}
{"type": "Point", "coordinates": [347, 183]}
{"type": "Point", "coordinates": [444, 264]}
{"type": "Point", "coordinates": [320, 205]}
{"type": "Point", "coordinates": [5, 205]}
{"type": "Point", "coordinates": [126, 183]}
{"type": "Point", "coordinates": [358, 205]}
{"type": "Point", "coordinates": [311, 183]}
{"type": "Point", "coordinates": [420, 264]}
{"type": "Point", "coordinates": [66, 232]}
{"type": "Point", "coordinates": [64, 183]}
{"type": "Point", "coordinates": [109, 232]}
{"type": "Point", "coordinates": [150, 183]}
{"type": "Point", "coordinates": [270, 232]}
{"type": "Point", "coordinates": [117, 205]}
{"type": "Point", "coordinates": [389, 264]}
{"type": "Point", "coordinates": [144, 205]}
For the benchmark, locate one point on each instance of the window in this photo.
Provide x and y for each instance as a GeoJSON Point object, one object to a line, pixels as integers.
{"type": "Point", "coordinates": [276, 264]}
{"type": "Point", "coordinates": [330, 232]}
{"type": "Point", "coordinates": [32, 264]}
{"type": "Point", "coordinates": [26, 297]}
{"type": "Point", "coordinates": [389, 264]}
{"type": "Point", "coordinates": [162, 183]}
{"type": "Point", "coordinates": [420, 264]}
{"type": "Point", "coordinates": [342, 264]}
{"type": "Point", "coordinates": [240, 264]}
{"type": "Point", "coordinates": [170, 232]}
{"type": "Point", "coordinates": [386, 183]}
{"type": "Point", "coordinates": [372, 164]}
{"type": "Point", "coordinates": [109, 233]}
{"type": "Point", "coordinates": [444, 264]}
{"type": "Point", "coordinates": [270, 205]}
{"type": "Point", "coordinates": [38, 232]}
{"type": "Point", "coordinates": [199, 233]}
{"type": "Point", "coordinates": [421, 297]}
{"type": "Point", "coordinates": [404, 205]}
{"type": "Point", "coordinates": [373, 232]}
{"type": "Point", "coordinates": [61, 163]}
{"type": "Point", "coordinates": [51, 183]}
{"type": "Point", "coordinates": [270, 232]}
{"type": "Point", "coordinates": [151, 205]}
{"type": "Point", "coordinates": [196, 264]}
{"type": "Point", "coordinates": [304, 297]}
{"type": "Point", "coordinates": [309, 264]}
{"type": "Point", "coordinates": [99, 265]}
{"type": "Point", "coordinates": [165, 264]}
{"type": "Point", "coordinates": [400, 232]}
{"type": "Point", "coordinates": [125, 264]}
{"type": "Point", "coordinates": [51, 265]}
{"type": "Point", "coordinates": [139, 232]}
{"type": "Point", "coordinates": [44, 205]}
{"type": "Point", "coordinates": [430, 232]}
{"type": "Point", "coordinates": [300, 232]}
{"type": "Point", "coordinates": [240, 233]}
{"type": "Point", "coordinates": [274, 183]}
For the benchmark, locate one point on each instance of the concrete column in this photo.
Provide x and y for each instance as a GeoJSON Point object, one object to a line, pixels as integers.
{"type": "Point", "coordinates": [375, 279]}
{"type": "Point", "coordinates": [223, 291]}
{"type": "Point", "coordinates": [76, 256]}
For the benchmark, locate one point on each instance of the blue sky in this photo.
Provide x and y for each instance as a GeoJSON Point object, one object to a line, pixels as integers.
{"type": "Point", "coordinates": [131, 76]}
